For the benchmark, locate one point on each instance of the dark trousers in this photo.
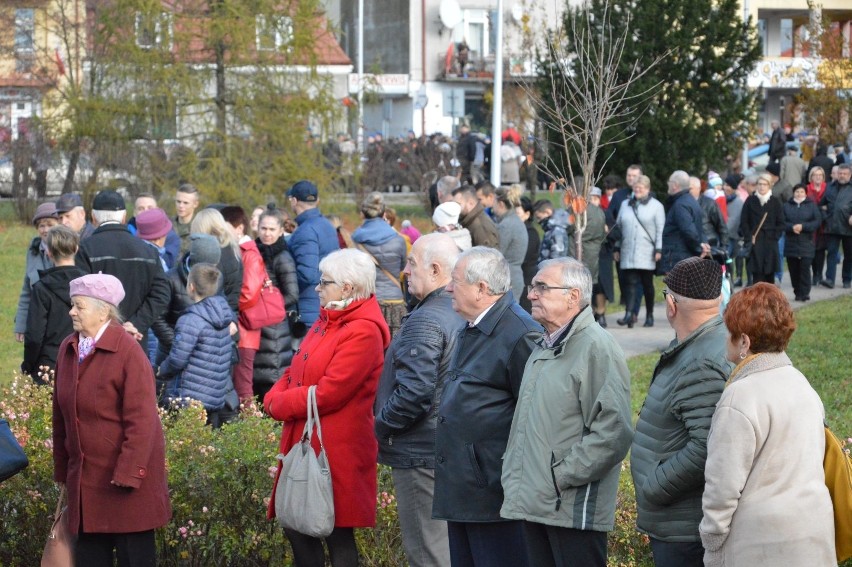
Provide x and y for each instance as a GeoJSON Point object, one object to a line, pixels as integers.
{"type": "Point", "coordinates": [800, 276]}
{"type": "Point", "coordinates": [677, 554]}
{"type": "Point", "coordinates": [834, 243]}
{"type": "Point", "coordinates": [551, 546]}
{"type": "Point", "coordinates": [640, 280]}
{"type": "Point", "coordinates": [138, 549]}
{"type": "Point", "coordinates": [819, 264]}
{"type": "Point", "coordinates": [308, 551]}
{"type": "Point", "coordinates": [768, 278]}
{"type": "Point", "coordinates": [487, 544]}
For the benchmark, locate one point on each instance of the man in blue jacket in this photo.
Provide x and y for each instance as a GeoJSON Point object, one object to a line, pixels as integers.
{"type": "Point", "coordinates": [682, 235]}
{"type": "Point", "coordinates": [475, 415]}
{"type": "Point", "coordinates": [409, 395]}
{"type": "Point", "coordinates": [312, 241]}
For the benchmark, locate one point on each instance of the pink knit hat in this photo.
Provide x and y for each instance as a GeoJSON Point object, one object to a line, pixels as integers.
{"type": "Point", "coordinates": [100, 286]}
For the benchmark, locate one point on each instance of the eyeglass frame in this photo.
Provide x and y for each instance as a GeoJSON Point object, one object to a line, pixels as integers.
{"type": "Point", "coordinates": [539, 288]}
{"type": "Point", "coordinates": [326, 283]}
{"type": "Point", "coordinates": [669, 293]}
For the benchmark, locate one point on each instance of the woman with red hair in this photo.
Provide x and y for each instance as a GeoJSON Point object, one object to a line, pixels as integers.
{"type": "Point", "coordinates": [765, 500]}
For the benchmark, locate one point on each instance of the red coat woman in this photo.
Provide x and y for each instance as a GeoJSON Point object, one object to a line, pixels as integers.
{"type": "Point", "coordinates": [343, 355]}
{"type": "Point", "coordinates": [108, 444]}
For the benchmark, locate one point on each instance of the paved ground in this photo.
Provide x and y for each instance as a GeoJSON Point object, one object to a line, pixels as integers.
{"type": "Point", "coordinates": [642, 340]}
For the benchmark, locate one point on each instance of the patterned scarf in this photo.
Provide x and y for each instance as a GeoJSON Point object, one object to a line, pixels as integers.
{"type": "Point", "coordinates": [85, 348]}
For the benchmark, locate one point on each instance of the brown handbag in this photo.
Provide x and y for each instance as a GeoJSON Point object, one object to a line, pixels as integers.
{"type": "Point", "coordinates": [59, 549]}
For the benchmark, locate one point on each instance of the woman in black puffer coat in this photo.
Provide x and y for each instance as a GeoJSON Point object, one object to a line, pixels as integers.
{"type": "Point", "coordinates": [801, 220]}
{"type": "Point", "coordinates": [276, 348]}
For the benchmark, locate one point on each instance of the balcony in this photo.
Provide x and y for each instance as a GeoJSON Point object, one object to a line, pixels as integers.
{"type": "Point", "coordinates": [481, 69]}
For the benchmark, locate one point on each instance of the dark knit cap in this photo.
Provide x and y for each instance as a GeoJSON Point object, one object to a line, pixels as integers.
{"type": "Point", "coordinates": [696, 278]}
{"type": "Point", "coordinates": [204, 248]}
{"type": "Point", "coordinates": [733, 180]}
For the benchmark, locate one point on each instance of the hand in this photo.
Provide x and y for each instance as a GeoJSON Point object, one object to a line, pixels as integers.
{"type": "Point", "coordinates": [132, 330]}
{"type": "Point", "coordinates": [118, 484]}
{"type": "Point", "coordinates": [616, 256]}
{"type": "Point", "coordinates": [797, 229]}
{"type": "Point", "coordinates": [705, 250]}
{"type": "Point", "coordinates": [657, 256]}
{"type": "Point", "coordinates": [232, 328]}
{"type": "Point", "coordinates": [850, 220]}
{"type": "Point", "coordinates": [20, 336]}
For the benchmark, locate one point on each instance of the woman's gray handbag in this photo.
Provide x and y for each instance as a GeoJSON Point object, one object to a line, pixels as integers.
{"type": "Point", "coordinates": [304, 499]}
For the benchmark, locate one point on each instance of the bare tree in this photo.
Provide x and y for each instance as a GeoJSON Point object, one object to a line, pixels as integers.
{"type": "Point", "coordinates": [587, 100]}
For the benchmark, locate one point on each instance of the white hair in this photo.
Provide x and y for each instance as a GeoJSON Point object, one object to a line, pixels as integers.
{"type": "Point", "coordinates": [487, 265]}
{"type": "Point", "coordinates": [574, 276]}
{"type": "Point", "coordinates": [679, 181]}
{"type": "Point", "coordinates": [438, 248]}
{"type": "Point", "coordinates": [353, 267]}
{"type": "Point", "coordinates": [108, 216]}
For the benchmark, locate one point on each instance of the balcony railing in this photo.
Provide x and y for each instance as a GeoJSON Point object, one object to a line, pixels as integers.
{"type": "Point", "coordinates": [482, 68]}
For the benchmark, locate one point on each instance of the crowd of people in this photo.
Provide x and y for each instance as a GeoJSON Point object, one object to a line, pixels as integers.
{"type": "Point", "coordinates": [472, 360]}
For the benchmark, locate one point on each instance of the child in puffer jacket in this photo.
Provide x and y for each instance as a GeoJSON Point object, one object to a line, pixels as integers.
{"type": "Point", "coordinates": [199, 362]}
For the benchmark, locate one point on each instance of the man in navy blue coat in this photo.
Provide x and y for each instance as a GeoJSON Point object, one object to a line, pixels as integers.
{"type": "Point", "coordinates": [682, 235]}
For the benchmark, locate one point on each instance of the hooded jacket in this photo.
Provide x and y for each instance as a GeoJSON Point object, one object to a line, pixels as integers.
{"type": "Point", "coordinates": [554, 243]}
{"type": "Point", "coordinates": [37, 260]}
{"type": "Point", "coordinates": [342, 355]}
{"type": "Point", "coordinates": [199, 363]}
{"type": "Point", "coordinates": [48, 321]}
{"type": "Point", "coordinates": [387, 247]}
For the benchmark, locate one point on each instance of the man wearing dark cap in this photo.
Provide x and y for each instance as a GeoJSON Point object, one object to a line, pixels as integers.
{"type": "Point", "coordinates": [71, 213]}
{"type": "Point", "coordinates": [670, 445]}
{"type": "Point", "coordinates": [111, 249]}
{"type": "Point", "coordinates": [312, 241]}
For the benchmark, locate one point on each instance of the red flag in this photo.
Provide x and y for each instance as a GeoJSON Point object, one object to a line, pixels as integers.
{"type": "Point", "coordinates": [60, 63]}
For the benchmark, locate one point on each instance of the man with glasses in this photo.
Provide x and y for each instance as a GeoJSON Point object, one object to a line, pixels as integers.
{"type": "Point", "coordinates": [670, 445]}
{"type": "Point", "coordinates": [572, 425]}
{"type": "Point", "coordinates": [480, 391]}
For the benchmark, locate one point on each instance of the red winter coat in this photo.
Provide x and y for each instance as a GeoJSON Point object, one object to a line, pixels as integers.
{"type": "Point", "coordinates": [106, 427]}
{"type": "Point", "coordinates": [254, 274]}
{"type": "Point", "coordinates": [342, 355]}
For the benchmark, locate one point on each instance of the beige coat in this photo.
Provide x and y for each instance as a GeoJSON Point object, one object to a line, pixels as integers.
{"type": "Point", "coordinates": [765, 500]}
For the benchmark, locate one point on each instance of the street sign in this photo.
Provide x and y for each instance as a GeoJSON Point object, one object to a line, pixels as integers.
{"type": "Point", "coordinates": [453, 102]}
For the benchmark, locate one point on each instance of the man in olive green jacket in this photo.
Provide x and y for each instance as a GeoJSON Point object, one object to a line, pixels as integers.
{"type": "Point", "coordinates": [572, 425]}
{"type": "Point", "coordinates": [670, 446]}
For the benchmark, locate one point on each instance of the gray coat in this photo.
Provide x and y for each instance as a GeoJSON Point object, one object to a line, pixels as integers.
{"type": "Point", "coordinates": [670, 445]}
{"type": "Point", "coordinates": [409, 391]}
{"type": "Point", "coordinates": [36, 260]}
{"type": "Point", "coordinates": [641, 233]}
{"type": "Point", "coordinates": [513, 246]}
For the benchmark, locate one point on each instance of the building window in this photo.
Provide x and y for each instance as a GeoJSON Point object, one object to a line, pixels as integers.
{"type": "Point", "coordinates": [24, 29]}
{"type": "Point", "coordinates": [477, 33]}
{"type": "Point", "coordinates": [273, 33]}
{"type": "Point", "coordinates": [24, 43]}
{"type": "Point", "coordinates": [785, 40]}
{"type": "Point", "coordinates": [761, 33]}
{"type": "Point", "coordinates": [154, 30]}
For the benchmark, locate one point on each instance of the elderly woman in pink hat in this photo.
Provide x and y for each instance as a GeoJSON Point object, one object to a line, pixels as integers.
{"type": "Point", "coordinates": [104, 405]}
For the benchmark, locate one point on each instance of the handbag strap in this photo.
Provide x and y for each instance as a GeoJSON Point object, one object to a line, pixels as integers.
{"type": "Point", "coordinates": [379, 266]}
{"type": "Point", "coordinates": [312, 417]}
{"type": "Point", "coordinates": [635, 208]}
{"type": "Point", "coordinates": [60, 502]}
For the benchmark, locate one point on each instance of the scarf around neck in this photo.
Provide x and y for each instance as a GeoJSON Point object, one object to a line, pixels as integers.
{"type": "Point", "coordinates": [269, 251]}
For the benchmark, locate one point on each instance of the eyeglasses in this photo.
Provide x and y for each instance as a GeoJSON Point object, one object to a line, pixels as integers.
{"type": "Point", "coordinates": [324, 283]}
{"type": "Point", "coordinates": [539, 288]}
{"type": "Point", "coordinates": [667, 293]}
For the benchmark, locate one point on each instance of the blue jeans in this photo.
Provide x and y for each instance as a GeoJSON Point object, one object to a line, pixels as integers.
{"type": "Point", "coordinates": [677, 554]}
{"type": "Point", "coordinates": [487, 544]}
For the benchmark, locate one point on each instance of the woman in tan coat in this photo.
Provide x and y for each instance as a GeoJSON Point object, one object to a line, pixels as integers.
{"type": "Point", "coordinates": [765, 500]}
